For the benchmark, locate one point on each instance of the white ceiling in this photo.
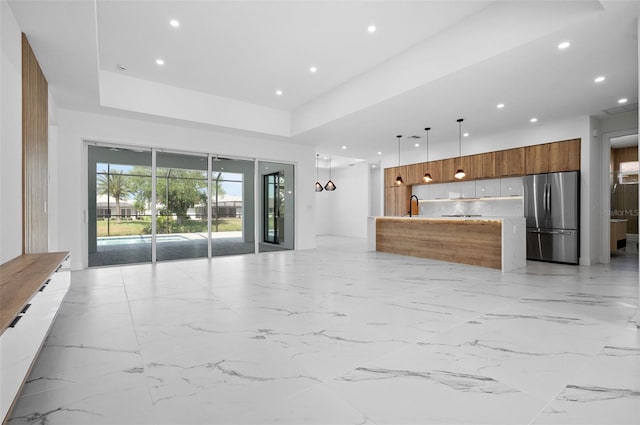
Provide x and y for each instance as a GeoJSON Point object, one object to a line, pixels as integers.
{"type": "Point", "coordinates": [428, 63]}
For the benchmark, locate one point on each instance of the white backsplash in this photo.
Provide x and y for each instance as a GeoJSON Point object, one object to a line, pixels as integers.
{"type": "Point", "coordinates": [492, 198]}
{"type": "Point", "coordinates": [502, 207]}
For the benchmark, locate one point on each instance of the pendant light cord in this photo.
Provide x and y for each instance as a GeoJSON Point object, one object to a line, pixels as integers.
{"type": "Point", "coordinates": [460, 137]}
{"type": "Point", "coordinates": [427, 130]}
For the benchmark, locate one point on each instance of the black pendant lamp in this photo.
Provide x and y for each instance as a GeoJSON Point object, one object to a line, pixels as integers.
{"type": "Point", "coordinates": [427, 177]}
{"type": "Point", "coordinates": [319, 187]}
{"type": "Point", "coordinates": [459, 175]}
{"type": "Point", "coordinates": [399, 180]}
{"type": "Point", "coordinates": [330, 186]}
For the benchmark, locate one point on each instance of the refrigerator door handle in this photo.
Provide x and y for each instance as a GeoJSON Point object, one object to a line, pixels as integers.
{"type": "Point", "coordinates": [549, 200]}
{"type": "Point", "coordinates": [547, 190]}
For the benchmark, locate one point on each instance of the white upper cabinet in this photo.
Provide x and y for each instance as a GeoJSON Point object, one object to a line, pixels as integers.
{"type": "Point", "coordinates": [463, 189]}
{"type": "Point", "coordinates": [511, 186]}
{"type": "Point", "coordinates": [487, 188]}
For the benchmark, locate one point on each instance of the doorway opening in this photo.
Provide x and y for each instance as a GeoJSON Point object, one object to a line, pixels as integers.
{"type": "Point", "coordinates": [623, 181]}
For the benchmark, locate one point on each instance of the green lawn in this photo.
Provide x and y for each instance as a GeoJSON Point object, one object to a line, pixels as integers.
{"type": "Point", "coordinates": [143, 227]}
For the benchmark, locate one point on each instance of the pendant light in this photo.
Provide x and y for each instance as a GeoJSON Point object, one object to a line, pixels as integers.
{"type": "Point", "coordinates": [329, 186]}
{"type": "Point", "coordinates": [427, 177]}
{"type": "Point", "coordinates": [459, 175]}
{"type": "Point", "coordinates": [399, 180]}
{"type": "Point", "coordinates": [319, 187]}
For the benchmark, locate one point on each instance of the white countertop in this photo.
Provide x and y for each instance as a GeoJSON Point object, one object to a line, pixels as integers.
{"type": "Point", "coordinates": [422, 217]}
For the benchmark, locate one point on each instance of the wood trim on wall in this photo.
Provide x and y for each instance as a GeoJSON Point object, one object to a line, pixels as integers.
{"type": "Point", "coordinates": [35, 140]}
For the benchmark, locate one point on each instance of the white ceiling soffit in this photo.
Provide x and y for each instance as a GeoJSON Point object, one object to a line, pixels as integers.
{"type": "Point", "coordinates": [494, 30]}
{"type": "Point", "coordinates": [246, 50]}
{"type": "Point", "coordinates": [226, 58]}
{"type": "Point", "coordinates": [427, 64]}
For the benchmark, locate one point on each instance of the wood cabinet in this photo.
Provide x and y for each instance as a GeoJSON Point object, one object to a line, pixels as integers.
{"type": "Point", "coordinates": [390, 175]}
{"type": "Point", "coordinates": [544, 158]}
{"type": "Point", "coordinates": [435, 169]}
{"type": "Point", "coordinates": [618, 235]}
{"type": "Point", "coordinates": [537, 159]}
{"type": "Point", "coordinates": [449, 168]}
{"type": "Point", "coordinates": [396, 200]}
{"type": "Point", "coordinates": [480, 166]}
{"type": "Point", "coordinates": [564, 156]}
{"type": "Point", "coordinates": [510, 162]}
{"type": "Point", "coordinates": [553, 157]}
{"type": "Point", "coordinates": [414, 174]}
{"type": "Point", "coordinates": [488, 165]}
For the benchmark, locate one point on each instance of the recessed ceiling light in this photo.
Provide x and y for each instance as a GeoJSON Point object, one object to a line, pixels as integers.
{"type": "Point", "coordinates": [623, 100]}
{"type": "Point", "coordinates": [500, 105]}
{"type": "Point", "coordinates": [533, 120]}
{"type": "Point", "coordinates": [160, 62]}
{"type": "Point", "coordinates": [564, 45]}
{"type": "Point", "coordinates": [371, 28]}
{"type": "Point", "coordinates": [599, 79]}
{"type": "Point", "coordinates": [417, 145]}
{"type": "Point", "coordinates": [373, 165]}
{"type": "Point", "coordinates": [326, 157]}
{"type": "Point", "coordinates": [279, 92]}
{"type": "Point", "coordinates": [174, 23]}
{"type": "Point", "coordinates": [465, 135]}
{"type": "Point", "coordinates": [313, 69]}
{"type": "Point", "coordinates": [379, 153]}
{"type": "Point", "coordinates": [344, 147]}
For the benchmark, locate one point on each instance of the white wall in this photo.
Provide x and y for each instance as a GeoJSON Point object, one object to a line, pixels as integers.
{"type": "Point", "coordinates": [344, 211]}
{"type": "Point", "coordinates": [74, 127]}
{"type": "Point", "coordinates": [10, 135]}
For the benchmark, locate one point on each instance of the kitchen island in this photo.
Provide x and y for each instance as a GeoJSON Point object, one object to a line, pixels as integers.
{"type": "Point", "coordinates": [496, 242]}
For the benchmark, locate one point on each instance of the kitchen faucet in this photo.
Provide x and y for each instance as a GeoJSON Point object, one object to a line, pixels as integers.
{"type": "Point", "coordinates": [417, 203]}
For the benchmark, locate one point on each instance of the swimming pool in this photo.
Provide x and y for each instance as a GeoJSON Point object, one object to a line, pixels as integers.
{"type": "Point", "coordinates": [138, 239]}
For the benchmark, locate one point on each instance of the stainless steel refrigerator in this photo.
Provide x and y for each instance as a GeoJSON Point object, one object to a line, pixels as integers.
{"type": "Point", "coordinates": [552, 211]}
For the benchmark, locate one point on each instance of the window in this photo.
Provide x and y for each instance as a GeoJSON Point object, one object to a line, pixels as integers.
{"type": "Point", "coordinates": [628, 172]}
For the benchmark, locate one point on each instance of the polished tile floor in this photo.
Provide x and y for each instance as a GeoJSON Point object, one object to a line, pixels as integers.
{"type": "Point", "coordinates": [338, 335]}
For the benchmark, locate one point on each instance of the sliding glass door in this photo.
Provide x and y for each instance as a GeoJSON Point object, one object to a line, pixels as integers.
{"type": "Point", "coordinates": [181, 203]}
{"type": "Point", "coordinates": [153, 205]}
{"type": "Point", "coordinates": [119, 210]}
{"type": "Point", "coordinates": [232, 206]}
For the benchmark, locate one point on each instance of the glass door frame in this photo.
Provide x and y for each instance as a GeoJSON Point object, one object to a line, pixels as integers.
{"type": "Point", "coordinates": [258, 224]}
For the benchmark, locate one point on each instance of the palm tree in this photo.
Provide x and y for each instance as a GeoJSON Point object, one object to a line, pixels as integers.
{"type": "Point", "coordinates": [115, 184]}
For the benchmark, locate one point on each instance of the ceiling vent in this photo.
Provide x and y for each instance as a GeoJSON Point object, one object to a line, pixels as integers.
{"type": "Point", "coordinates": [620, 109]}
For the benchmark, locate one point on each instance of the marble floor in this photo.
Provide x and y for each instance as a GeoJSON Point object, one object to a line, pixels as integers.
{"type": "Point", "coordinates": [339, 335]}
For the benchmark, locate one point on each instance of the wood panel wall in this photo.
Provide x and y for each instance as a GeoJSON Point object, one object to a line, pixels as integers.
{"type": "Point", "coordinates": [35, 139]}
{"type": "Point", "coordinates": [475, 242]}
{"type": "Point", "coordinates": [622, 155]}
